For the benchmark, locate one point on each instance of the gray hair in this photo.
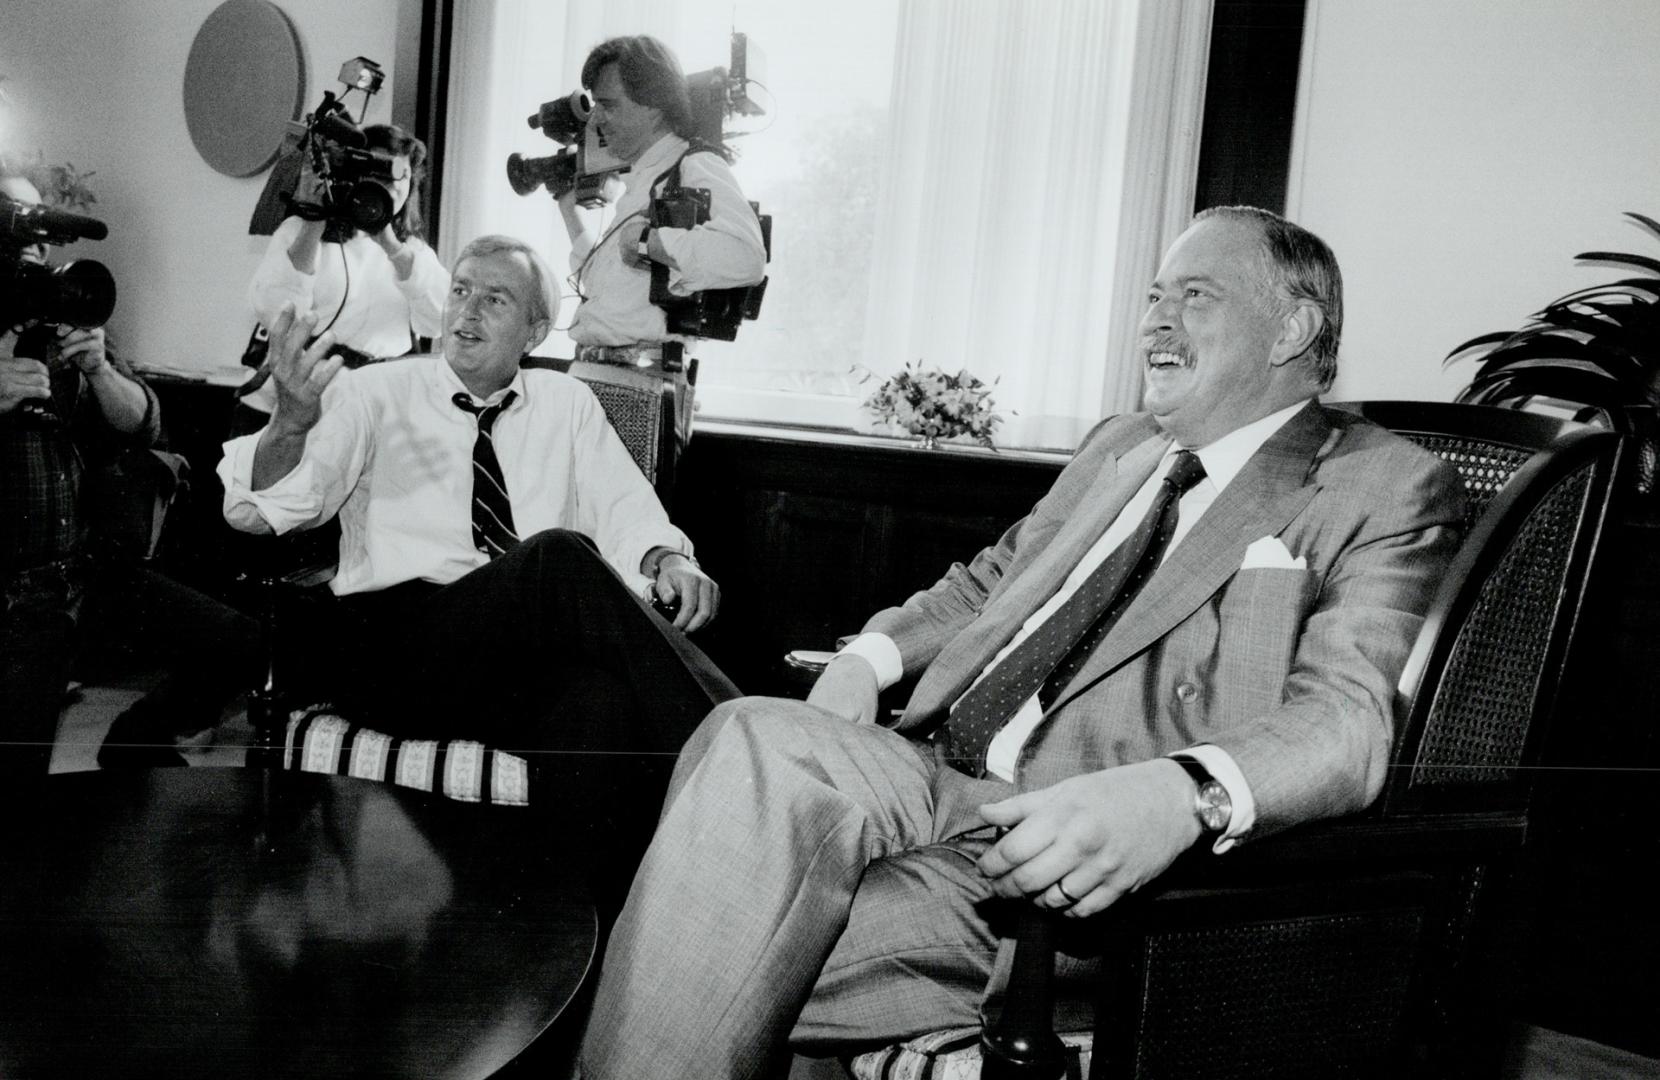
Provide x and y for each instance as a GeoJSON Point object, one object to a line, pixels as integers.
{"type": "Point", "coordinates": [546, 300]}
{"type": "Point", "coordinates": [1300, 267]}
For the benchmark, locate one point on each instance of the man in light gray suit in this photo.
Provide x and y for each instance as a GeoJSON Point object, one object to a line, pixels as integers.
{"type": "Point", "coordinates": [1193, 638]}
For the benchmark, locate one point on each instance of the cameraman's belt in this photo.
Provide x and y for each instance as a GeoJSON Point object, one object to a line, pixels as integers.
{"type": "Point", "coordinates": [666, 355]}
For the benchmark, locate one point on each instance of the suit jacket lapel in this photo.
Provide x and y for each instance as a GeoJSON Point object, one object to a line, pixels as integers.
{"type": "Point", "coordinates": [1024, 591]}
{"type": "Point", "coordinates": [1262, 500]}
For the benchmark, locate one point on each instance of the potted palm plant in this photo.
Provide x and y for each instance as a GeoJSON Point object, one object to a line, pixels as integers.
{"type": "Point", "coordinates": [1594, 352]}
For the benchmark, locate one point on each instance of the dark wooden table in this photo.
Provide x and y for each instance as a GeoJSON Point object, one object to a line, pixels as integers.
{"type": "Point", "coordinates": [164, 924]}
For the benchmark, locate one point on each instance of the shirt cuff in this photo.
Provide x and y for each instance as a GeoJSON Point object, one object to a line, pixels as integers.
{"type": "Point", "coordinates": [243, 508]}
{"type": "Point", "coordinates": [882, 654]}
{"type": "Point", "coordinates": [1220, 764]}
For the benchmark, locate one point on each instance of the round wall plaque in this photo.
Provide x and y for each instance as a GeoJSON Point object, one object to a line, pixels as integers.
{"type": "Point", "coordinates": [243, 83]}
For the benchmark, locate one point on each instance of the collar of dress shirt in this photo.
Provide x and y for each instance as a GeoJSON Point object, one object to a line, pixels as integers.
{"type": "Point", "coordinates": [445, 382]}
{"type": "Point", "coordinates": [1224, 458]}
{"type": "Point", "coordinates": [657, 158]}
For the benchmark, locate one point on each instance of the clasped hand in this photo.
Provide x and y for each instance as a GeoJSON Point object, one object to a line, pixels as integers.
{"type": "Point", "coordinates": [1076, 846]}
{"type": "Point", "coordinates": [1081, 844]}
{"type": "Point", "coordinates": [679, 579]}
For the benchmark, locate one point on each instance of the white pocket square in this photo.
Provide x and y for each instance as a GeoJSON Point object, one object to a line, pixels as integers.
{"type": "Point", "coordinates": [1270, 554]}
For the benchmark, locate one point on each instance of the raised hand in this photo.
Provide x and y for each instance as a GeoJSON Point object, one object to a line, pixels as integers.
{"type": "Point", "coordinates": [300, 373]}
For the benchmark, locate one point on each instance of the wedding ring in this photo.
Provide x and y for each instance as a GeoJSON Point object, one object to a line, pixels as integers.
{"type": "Point", "coordinates": [1062, 890]}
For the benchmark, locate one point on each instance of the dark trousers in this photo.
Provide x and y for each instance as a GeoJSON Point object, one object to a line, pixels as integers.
{"type": "Point", "coordinates": [543, 652]}
{"type": "Point", "coordinates": [50, 627]}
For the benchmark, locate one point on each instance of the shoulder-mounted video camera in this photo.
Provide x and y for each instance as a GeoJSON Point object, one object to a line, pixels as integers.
{"type": "Point", "coordinates": [81, 292]}
{"type": "Point", "coordinates": [355, 185]}
{"type": "Point", "coordinates": [716, 95]}
{"type": "Point", "coordinates": [584, 161]}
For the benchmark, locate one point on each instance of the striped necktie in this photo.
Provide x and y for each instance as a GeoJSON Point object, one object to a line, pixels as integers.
{"type": "Point", "coordinates": [493, 531]}
{"type": "Point", "coordinates": [1048, 659]}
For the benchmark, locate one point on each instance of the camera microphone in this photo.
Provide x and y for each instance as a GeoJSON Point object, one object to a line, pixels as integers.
{"type": "Point", "coordinates": [52, 226]}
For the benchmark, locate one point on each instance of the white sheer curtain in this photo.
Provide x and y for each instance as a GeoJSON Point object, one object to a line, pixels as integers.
{"type": "Point", "coordinates": [1041, 157]}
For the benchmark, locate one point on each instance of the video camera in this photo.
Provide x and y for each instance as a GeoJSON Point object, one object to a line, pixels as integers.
{"type": "Point", "coordinates": [582, 166]}
{"type": "Point", "coordinates": [80, 293]}
{"type": "Point", "coordinates": [584, 162]}
{"type": "Point", "coordinates": [355, 186]}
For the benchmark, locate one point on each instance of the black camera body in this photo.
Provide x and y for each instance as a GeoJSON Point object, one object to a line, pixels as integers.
{"type": "Point", "coordinates": [585, 161]}
{"type": "Point", "coordinates": [80, 293]}
{"type": "Point", "coordinates": [354, 184]}
{"type": "Point", "coordinates": [712, 313]}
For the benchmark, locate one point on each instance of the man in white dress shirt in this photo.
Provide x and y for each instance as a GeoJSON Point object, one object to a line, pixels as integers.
{"type": "Point", "coordinates": [497, 540]}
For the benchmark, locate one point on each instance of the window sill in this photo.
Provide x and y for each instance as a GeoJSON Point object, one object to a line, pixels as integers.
{"type": "Point", "coordinates": [836, 420]}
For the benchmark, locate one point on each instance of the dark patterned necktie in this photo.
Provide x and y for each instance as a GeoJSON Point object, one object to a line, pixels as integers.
{"type": "Point", "coordinates": [1053, 653]}
{"type": "Point", "coordinates": [493, 530]}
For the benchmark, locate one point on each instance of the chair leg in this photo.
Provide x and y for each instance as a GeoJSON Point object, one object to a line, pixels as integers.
{"type": "Point", "coordinates": [1020, 1043]}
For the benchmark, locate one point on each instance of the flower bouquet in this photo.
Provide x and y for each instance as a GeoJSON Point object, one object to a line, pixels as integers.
{"type": "Point", "coordinates": [932, 405]}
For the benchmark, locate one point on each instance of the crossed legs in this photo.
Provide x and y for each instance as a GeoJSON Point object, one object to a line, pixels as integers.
{"type": "Point", "coordinates": [808, 875]}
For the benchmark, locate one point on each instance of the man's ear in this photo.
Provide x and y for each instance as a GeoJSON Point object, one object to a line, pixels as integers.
{"type": "Point", "coordinates": [1298, 329]}
{"type": "Point", "coordinates": [539, 331]}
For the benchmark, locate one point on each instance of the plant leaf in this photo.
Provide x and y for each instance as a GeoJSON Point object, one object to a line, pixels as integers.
{"type": "Point", "coordinates": [1653, 226]}
{"type": "Point", "coordinates": [1640, 290]}
{"type": "Point", "coordinates": [1582, 387]}
{"type": "Point", "coordinates": [1643, 261]}
{"type": "Point", "coordinates": [1477, 342]}
{"type": "Point", "coordinates": [1547, 351]}
{"type": "Point", "coordinates": [1567, 317]}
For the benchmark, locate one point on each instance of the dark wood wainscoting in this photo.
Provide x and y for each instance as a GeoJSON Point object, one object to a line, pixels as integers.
{"type": "Point", "coordinates": [808, 537]}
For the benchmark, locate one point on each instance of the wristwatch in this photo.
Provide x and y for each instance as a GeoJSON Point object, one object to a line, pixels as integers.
{"type": "Point", "coordinates": [644, 246]}
{"type": "Point", "coordinates": [1211, 802]}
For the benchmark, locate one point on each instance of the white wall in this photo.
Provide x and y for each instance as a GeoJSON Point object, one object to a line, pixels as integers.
{"type": "Point", "coordinates": [1458, 153]}
{"type": "Point", "coordinates": [99, 83]}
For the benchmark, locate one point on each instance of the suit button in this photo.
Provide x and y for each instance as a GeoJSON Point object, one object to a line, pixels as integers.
{"type": "Point", "coordinates": [1187, 693]}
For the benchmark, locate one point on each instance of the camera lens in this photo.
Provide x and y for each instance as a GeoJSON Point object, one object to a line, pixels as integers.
{"type": "Point", "coordinates": [78, 293]}
{"type": "Point", "coordinates": [557, 171]}
{"type": "Point", "coordinates": [369, 206]}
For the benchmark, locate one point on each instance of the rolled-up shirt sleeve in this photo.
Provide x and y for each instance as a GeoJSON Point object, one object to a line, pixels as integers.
{"type": "Point", "coordinates": [426, 288]}
{"type": "Point", "coordinates": [615, 504]}
{"type": "Point", "coordinates": [314, 490]}
{"type": "Point", "coordinates": [724, 252]}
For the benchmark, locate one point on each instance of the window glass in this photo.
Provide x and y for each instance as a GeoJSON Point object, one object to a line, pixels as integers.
{"type": "Point", "coordinates": [814, 162]}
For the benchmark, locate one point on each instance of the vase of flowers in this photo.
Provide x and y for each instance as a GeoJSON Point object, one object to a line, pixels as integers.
{"type": "Point", "coordinates": [932, 405]}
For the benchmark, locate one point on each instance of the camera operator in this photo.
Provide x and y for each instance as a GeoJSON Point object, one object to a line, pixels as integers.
{"type": "Point", "coordinates": [644, 114]}
{"type": "Point", "coordinates": [377, 292]}
{"type": "Point", "coordinates": [68, 407]}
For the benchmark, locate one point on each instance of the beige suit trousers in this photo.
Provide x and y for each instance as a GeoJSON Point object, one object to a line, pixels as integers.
{"type": "Point", "coordinates": [803, 866]}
